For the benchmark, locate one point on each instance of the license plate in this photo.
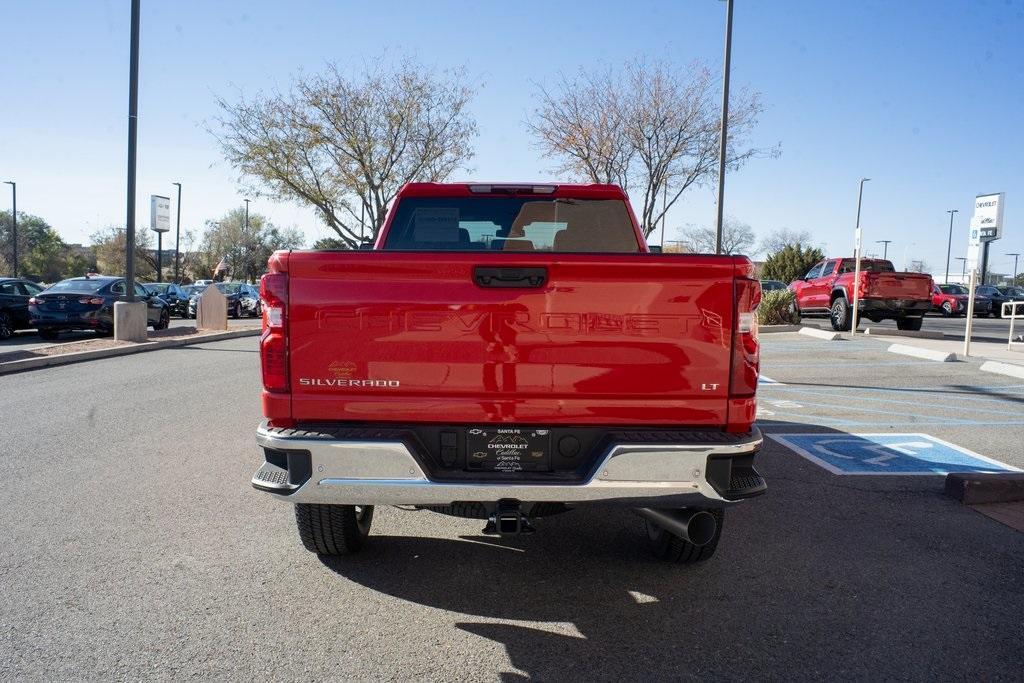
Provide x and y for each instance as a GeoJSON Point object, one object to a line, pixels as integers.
{"type": "Point", "coordinates": [504, 449]}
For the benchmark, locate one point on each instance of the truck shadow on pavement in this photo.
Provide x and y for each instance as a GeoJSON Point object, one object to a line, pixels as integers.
{"type": "Point", "coordinates": [821, 577]}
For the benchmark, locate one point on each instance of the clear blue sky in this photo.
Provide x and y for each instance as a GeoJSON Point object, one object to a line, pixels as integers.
{"type": "Point", "coordinates": [924, 97]}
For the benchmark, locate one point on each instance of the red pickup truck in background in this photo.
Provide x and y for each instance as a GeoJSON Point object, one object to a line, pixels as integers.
{"type": "Point", "coordinates": [827, 289]}
{"type": "Point", "coordinates": [506, 352]}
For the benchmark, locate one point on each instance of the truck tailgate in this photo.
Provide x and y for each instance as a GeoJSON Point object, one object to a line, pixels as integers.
{"type": "Point", "coordinates": [900, 286]}
{"type": "Point", "coordinates": [607, 339]}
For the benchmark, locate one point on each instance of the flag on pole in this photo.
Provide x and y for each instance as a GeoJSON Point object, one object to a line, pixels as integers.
{"type": "Point", "coordinates": [221, 266]}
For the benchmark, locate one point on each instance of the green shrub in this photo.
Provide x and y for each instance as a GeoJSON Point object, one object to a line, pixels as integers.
{"type": "Point", "coordinates": [777, 309]}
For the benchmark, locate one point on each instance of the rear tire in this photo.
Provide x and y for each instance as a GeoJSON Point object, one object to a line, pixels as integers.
{"type": "Point", "coordinates": [333, 529]}
{"type": "Point", "coordinates": [911, 324]}
{"type": "Point", "coordinates": [839, 315]}
{"type": "Point", "coordinates": [165, 320]}
{"type": "Point", "coordinates": [947, 310]}
{"type": "Point", "coordinates": [671, 548]}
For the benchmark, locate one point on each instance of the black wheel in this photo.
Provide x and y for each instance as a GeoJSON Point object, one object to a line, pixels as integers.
{"type": "Point", "coordinates": [794, 312]}
{"type": "Point", "coordinates": [165, 320]}
{"type": "Point", "coordinates": [333, 529]}
{"type": "Point", "coordinates": [48, 335]}
{"type": "Point", "coordinates": [947, 309]}
{"type": "Point", "coordinates": [6, 326]}
{"type": "Point", "coordinates": [671, 548]}
{"type": "Point", "coordinates": [258, 311]}
{"type": "Point", "coordinates": [236, 312]}
{"type": "Point", "coordinates": [912, 324]}
{"type": "Point", "coordinates": [840, 315]}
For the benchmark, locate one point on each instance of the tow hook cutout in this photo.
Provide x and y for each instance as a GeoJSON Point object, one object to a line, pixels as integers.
{"type": "Point", "coordinates": [508, 520]}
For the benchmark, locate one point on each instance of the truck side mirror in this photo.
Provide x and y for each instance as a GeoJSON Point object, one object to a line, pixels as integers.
{"type": "Point", "coordinates": [654, 248]}
{"type": "Point", "coordinates": [365, 246]}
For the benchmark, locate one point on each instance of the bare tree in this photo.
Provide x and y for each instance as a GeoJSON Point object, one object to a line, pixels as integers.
{"type": "Point", "coordinates": [737, 238]}
{"type": "Point", "coordinates": [653, 129]}
{"type": "Point", "coordinates": [780, 238]}
{"type": "Point", "coordinates": [346, 145]}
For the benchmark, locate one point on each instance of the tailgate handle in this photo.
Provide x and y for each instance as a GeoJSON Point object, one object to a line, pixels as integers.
{"type": "Point", "coordinates": [510, 277]}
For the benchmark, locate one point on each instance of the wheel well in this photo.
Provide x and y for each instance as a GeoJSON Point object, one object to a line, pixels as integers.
{"type": "Point", "coordinates": [837, 294]}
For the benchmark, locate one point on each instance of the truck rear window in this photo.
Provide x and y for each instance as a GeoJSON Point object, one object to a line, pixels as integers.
{"type": "Point", "coordinates": [511, 224]}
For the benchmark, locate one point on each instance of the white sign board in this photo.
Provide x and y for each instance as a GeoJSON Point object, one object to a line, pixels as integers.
{"type": "Point", "coordinates": [159, 213]}
{"type": "Point", "coordinates": [987, 221]}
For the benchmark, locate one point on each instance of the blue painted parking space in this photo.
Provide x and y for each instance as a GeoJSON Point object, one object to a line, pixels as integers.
{"type": "Point", "coordinates": [900, 454]}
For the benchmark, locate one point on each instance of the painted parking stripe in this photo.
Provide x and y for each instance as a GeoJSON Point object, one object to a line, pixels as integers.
{"type": "Point", "coordinates": [765, 379]}
{"type": "Point", "coordinates": [888, 454]}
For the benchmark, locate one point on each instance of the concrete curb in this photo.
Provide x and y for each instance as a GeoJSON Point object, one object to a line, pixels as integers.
{"type": "Point", "coordinates": [927, 354]}
{"type": "Point", "coordinates": [50, 361]}
{"type": "Point", "coordinates": [770, 329]}
{"type": "Point", "coordinates": [1008, 369]}
{"type": "Point", "coordinates": [920, 334]}
{"type": "Point", "coordinates": [971, 488]}
{"type": "Point", "coordinates": [820, 334]}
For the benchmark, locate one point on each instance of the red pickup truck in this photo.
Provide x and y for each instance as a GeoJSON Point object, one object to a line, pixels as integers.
{"type": "Point", "coordinates": [507, 352]}
{"type": "Point", "coordinates": [827, 289]}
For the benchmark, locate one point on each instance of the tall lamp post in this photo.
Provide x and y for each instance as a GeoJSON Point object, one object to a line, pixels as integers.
{"type": "Point", "coordinates": [177, 237]}
{"type": "Point", "coordinates": [133, 135]}
{"type": "Point", "coordinates": [856, 267]}
{"type": "Point", "coordinates": [14, 223]}
{"type": "Point", "coordinates": [1015, 257]}
{"type": "Point", "coordinates": [963, 271]}
{"type": "Point", "coordinates": [723, 142]}
{"type": "Point", "coordinates": [949, 243]}
{"type": "Point", "coordinates": [885, 249]}
{"type": "Point", "coordinates": [246, 215]}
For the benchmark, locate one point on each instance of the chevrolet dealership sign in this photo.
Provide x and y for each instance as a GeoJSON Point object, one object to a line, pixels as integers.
{"type": "Point", "coordinates": [987, 221]}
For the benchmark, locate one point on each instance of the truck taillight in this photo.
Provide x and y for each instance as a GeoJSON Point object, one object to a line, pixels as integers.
{"type": "Point", "coordinates": [274, 339]}
{"type": "Point", "coordinates": [746, 350]}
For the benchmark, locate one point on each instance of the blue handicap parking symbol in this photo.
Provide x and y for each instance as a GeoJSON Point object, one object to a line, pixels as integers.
{"type": "Point", "coordinates": [888, 454]}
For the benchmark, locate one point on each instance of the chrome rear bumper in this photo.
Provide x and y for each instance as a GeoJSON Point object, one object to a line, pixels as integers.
{"type": "Point", "coordinates": [353, 472]}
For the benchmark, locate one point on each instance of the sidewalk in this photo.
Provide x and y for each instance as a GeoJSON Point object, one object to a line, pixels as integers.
{"type": "Point", "coordinates": [980, 350]}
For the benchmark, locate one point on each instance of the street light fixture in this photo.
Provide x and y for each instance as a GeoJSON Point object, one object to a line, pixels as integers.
{"type": "Point", "coordinates": [246, 215]}
{"type": "Point", "coordinates": [723, 142]}
{"type": "Point", "coordinates": [14, 223]}
{"type": "Point", "coordinates": [1015, 256]}
{"type": "Point", "coordinates": [949, 243]}
{"type": "Point", "coordinates": [856, 267]}
{"type": "Point", "coordinates": [177, 237]}
{"type": "Point", "coordinates": [885, 250]}
{"type": "Point", "coordinates": [963, 272]}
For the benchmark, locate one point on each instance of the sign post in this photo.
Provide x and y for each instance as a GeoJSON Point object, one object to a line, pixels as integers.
{"type": "Point", "coordinates": [986, 226]}
{"type": "Point", "coordinates": [159, 222]}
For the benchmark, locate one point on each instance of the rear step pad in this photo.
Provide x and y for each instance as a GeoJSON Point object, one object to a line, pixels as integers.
{"type": "Point", "coordinates": [745, 482]}
{"type": "Point", "coordinates": [270, 477]}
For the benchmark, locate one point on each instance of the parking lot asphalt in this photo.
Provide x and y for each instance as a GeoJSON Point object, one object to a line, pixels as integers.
{"type": "Point", "coordinates": [26, 340]}
{"type": "Point", "coordinates": [135, 547]}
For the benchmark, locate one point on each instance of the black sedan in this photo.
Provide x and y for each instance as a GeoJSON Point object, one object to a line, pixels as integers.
{"type": "Point", "coordinates": [87, 303]}
{"type": "Point", "coordinates": [173, 294]}
{"type": "Point", "coordinates": [243, 299]}
{"type": "Point", "coordinates": [996, 296]}
{"type": "Point", "coordinates": [14, 295]}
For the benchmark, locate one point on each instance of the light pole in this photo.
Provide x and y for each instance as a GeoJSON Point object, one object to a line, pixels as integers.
{"type": "Point", "coordinates": [133, 134]}
{"type": "Point", "coordinates": [14, 223]}
{"type": "Point", "coordinates": [177, 236]}
{"type": "Point", "coordinates": [246, 216]}
{"type": "Point", "coordinates": [1015, 256]}
{"type": "Point", "coordinates": [885, 249]}
{"type": "Point", "coordinates": [723, 142]}
{"type": "Point", "coordinates": [949, 243]}
{"type": "Point", "coordinates": [963, 271]}
{"type": "Point", "coordinates": [856, 267]}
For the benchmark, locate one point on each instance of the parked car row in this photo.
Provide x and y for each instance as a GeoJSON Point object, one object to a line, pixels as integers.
{"type": "Point", "coordinates": [87, 303]}
{"type": "Point", "coordinates": [827, 289]}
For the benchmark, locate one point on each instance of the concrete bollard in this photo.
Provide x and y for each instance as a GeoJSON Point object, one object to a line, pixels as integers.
{"type": "Point", "coordinates": [130, 321]}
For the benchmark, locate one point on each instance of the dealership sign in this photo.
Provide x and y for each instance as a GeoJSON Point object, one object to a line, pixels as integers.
{"type": "Point", "coordinates": [159, 213]}
{"type": "Point", "coordinates": [987, 221]}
